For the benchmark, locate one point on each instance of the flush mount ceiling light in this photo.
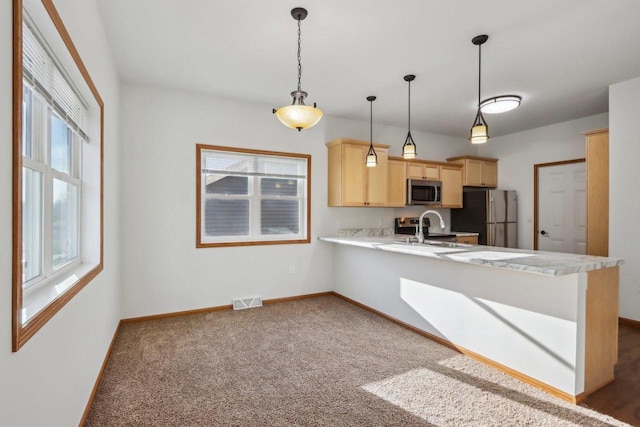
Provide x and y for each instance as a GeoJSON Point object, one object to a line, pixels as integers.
{"type": "Point", "coordinates": [500, 104]}
{"type": "Point", "coordinates": [409, 147]}
{"type": "Point", "coordinates": [372, 158]}
{"type": "Point", "coordinates": [298, 115]}
{"type": "Point", "coordinates": [479, 130]}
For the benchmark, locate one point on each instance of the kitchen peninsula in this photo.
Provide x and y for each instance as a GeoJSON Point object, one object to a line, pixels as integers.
{"type": "Point", "coordinates": [549, 319]}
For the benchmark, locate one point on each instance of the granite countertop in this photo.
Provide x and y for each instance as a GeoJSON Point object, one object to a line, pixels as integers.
{"type": "Point", "coordinates": [463, 233]}
{"type": "Point", "coordinates": [548, 263]}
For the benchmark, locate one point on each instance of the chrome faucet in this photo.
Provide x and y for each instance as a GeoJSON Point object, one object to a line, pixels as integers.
{"type": "Point", "coordinates": [420, 232]}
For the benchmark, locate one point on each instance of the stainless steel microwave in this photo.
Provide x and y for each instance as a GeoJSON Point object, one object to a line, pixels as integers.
{"type": "Point", "coordinates": [422, 192]}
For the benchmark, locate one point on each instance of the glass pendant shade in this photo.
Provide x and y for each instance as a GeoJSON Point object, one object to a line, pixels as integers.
{"type": "Point", "coordinates": [298, 115]}
{"type": "Point", "coordinates": [479, 131]}
{"type": "Point", "coordinates": [409, 148]}
{"type": "Point", "coordinates": [372, 158]}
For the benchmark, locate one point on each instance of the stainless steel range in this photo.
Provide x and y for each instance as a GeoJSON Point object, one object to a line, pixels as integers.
{"type": "Point", "coordinates": [409, 225]}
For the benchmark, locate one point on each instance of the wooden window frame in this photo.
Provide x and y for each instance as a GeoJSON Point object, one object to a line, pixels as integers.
{"type": "Point", "coordinates": [201, 244]}
{"type": "Point", "coordinates": [22, 333]}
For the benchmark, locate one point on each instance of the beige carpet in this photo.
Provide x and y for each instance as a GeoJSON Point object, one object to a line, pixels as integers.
{"type": "Point", "coordinates": [313, 362]}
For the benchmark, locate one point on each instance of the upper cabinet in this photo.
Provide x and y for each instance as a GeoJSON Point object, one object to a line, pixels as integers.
{"type": "Point", "coordinates": [351, 182]}
{"type": "Point", "coordinates": [397, 183]}
{"type": "Point", "coordinates": [423, 170]}
{"type": "Point", "coordinates": [450, 174]}
{"type": "Point", "coordinates": [477, 171]}
{"type": "Point", "coordinates": [597, 150]}
{"type": "Point", "coordinates": [451, 177]}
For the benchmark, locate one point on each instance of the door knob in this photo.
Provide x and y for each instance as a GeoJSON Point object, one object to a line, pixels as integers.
{"type": "Point", "coordinates": [543, 232]}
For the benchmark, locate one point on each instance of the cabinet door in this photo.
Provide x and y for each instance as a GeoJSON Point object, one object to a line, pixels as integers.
{"type": "Point", "coordinates": [489, 174]}
{"type": "Point", "coordinates": [377, 179]}
{"type": "Point", "coordinates": [419, 170]}
{"type": "Point", "coordinates": [473, 172]}
{"type": "Point", "coordinates": [354, 175]}
{"type": "Point", "coordinates": [598, 193]}
{"type": "Point", "coordinates": [432, 172]}
{"type": "Point", "coordinates": [470, 240]}
{"type": "Point", "coordinates": [415, 170]}
{"type": "Point", "coordinates": [397, 183]}
{"type": "Point", "coordinates": [451, 186]}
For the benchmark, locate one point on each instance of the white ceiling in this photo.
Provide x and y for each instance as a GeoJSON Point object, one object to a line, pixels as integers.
{"type": "Point", "coordinates": [559, 55]}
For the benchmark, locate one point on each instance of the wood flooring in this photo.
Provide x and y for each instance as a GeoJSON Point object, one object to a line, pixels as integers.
{"type": "Point", "coordinates": [621, 398]}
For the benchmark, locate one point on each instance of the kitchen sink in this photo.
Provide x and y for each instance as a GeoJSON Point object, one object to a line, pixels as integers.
{"type": "Point", "coordinates": [424, 248]}
{"type": "Point", "coordinates": [407, 240]}
{"type": "Point", "coordinates": [446, 244]}
{"type": "Point", "coordinates": [493, 255]}
{"type": "Point", "coordinates": [429, 242]}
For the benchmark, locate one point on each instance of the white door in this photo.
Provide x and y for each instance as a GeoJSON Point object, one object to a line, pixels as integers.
{"type": "Point", "coordinates": [562, 208]}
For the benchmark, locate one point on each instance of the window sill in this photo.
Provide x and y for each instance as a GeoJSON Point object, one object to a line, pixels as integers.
{"type": "Point", "coordinates": [37, 298]}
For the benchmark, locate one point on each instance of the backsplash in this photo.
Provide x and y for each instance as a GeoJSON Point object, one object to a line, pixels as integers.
{"type": "Point", "coordinates": [365, 232]}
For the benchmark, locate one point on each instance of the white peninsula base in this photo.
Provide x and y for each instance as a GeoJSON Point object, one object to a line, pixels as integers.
{"type": "Point", "coordinates": [557, 332]}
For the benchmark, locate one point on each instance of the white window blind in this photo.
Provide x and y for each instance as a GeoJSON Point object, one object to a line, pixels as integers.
{"type": "Point", "coordinates": [247, 197]}
{"type": "Point", "coordinates": [42, 72]}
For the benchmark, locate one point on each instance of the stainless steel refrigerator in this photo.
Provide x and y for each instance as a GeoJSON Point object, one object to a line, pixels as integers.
{"type": "Point", "coordinates": [491, 213]}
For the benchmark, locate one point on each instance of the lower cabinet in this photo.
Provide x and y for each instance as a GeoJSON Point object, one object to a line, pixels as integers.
{"type": "Point", "coordinates": [470, 240]}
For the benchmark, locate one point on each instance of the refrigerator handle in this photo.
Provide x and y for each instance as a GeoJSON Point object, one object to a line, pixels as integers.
{"type": "Point", "coordinates": [492, 209]}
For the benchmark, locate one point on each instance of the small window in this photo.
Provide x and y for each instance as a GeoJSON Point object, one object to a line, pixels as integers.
{"type": "Point", "coordinates": [248, 197]}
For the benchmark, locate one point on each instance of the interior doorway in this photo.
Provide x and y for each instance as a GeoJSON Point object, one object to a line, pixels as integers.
{"type": "Point", "coordinates": [560, 206]}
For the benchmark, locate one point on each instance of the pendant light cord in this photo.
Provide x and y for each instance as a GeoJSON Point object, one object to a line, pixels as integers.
{"type": "Point", "coordinates": [409, 124]}
{"type": "Point", "coordinates": [299, 55]}
{"type": "Point", "coordinates": [371, 122]}
{"type": "Point", "coordinates": [479, 71]}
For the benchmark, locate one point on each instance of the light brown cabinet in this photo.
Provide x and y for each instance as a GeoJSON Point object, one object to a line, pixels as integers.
{"type": "Point", "coordinates": [449, 174]}
{"type": "Point", "coordinates": [423, 170]}
{"type": "Point", "coordinates": [351, 182]}
{"type": "Point", "coordinates": [469, 240]}
{"type": "Point", "coordinates": [477, 171]}
{"type": "Point", "coordinates": [597, 164]}
{"type": "Point", "coordinates": [397, 183]}
{"type": "Point", "coordinates": [451, 177]}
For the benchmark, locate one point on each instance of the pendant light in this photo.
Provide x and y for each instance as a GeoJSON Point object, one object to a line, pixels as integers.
{"type": "Point", "coordinates": [480, 130]}
{"type": "Point", "coordinates": [298, 115]}
{"type": "Point", "coordinates": [372, 157]}
{"type": "Point", "coordinates": [409, 147]}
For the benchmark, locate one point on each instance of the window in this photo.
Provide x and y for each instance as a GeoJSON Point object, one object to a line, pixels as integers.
{"type": "Point", "coordinates": [57, 245]}
{"type": "Point", "coordinates": [51, 187]}
{"type": "Point", "coordinates": [248, 197]}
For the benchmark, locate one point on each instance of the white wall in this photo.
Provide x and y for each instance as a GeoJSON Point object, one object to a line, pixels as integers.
{"type": "Point", "coordinates": [624, 204]}
{"type": "Point", "coordinates": [519, 152]}
{"type": "Point", "coordinates": [162, 270]}
{"type": "Point", "coordinates": [48, 381]}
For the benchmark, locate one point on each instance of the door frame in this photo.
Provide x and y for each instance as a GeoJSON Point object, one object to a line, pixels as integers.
{"type": "Point", "coordinates": [536, 168]}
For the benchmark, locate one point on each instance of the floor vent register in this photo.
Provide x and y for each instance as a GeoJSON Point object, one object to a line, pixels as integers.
{"type": "Point", "coordinates": [242, 303]}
